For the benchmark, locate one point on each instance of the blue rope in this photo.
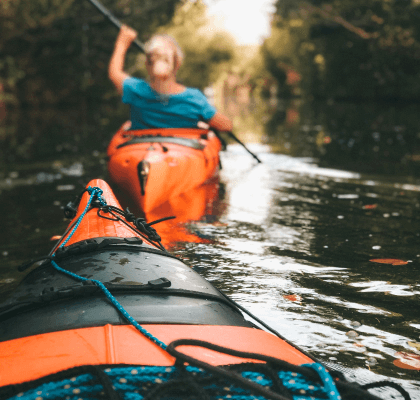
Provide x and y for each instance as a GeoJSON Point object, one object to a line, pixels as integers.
{"type": "Point", "coordinates": [134, 382]}
{"type": "Point", "coordinates": [327, 380]}
{"type": "Point", "coordinates": [98, 192]}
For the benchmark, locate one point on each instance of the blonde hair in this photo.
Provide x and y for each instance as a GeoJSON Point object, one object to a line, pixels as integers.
{"type": "Point", "coordinates": [151, 44]}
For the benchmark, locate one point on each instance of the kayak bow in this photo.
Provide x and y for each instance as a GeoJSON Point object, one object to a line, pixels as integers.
{"type": "Point", "coordinates": [111, 314]}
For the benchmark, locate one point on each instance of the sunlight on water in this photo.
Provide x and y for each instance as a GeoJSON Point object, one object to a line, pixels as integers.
{"type": "Point", "coordinates": [287, 239]}
{"type": "Point", "coordinates": [293, 255]}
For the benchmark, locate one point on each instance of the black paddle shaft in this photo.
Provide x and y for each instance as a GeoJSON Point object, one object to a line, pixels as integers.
{"type": "Point", "coordinates": [235, 138]}
{"type": "Point", "coordinates": [115, 21]}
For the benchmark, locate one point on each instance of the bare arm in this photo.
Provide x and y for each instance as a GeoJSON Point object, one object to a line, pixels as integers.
{"type": "Point", "coordinates": [221, 122]}
{"type": "Point", "coordinates": [116, 65]}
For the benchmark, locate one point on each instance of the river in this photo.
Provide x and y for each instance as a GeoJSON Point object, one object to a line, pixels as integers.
{"type": "Point", "coordinates": [320, 240]}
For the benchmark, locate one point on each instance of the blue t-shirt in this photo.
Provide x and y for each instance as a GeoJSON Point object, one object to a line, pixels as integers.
{"type": "Point", "coordinates": [150, 109]}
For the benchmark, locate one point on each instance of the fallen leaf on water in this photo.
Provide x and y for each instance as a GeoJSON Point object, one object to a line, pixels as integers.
{"type": "Point", "coordinates": [370, 206]}
{"type": "Point", "coordinates": [392, 261]}
{"type": "Point", "coordinates": [352, 334]}
{"type": "Point", "coordinates": [414, 344]}
{"type": "Point", "coordinates": [55, 237]}
{"type": "Point", "coordinates": [407, 360]}
{"type": "Point", "coordinates": [358, 344]}
{"type": "Point", "coordinates": [217, 223]}
{"type": "Point", "coordinates": [292, 297]}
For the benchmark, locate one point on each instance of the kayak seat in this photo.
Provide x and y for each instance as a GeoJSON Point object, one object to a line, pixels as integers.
{"type": "Point", "coordinates": [192, 143]}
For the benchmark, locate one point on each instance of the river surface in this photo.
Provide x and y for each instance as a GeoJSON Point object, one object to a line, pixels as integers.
{"type": "Point", "coordinates": [290, 239]}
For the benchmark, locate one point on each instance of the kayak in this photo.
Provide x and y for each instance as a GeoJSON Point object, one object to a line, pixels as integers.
{"type": "Point", "coordinates": [111, 314]}
{"type": "Point", "coordinates": [154, 165]}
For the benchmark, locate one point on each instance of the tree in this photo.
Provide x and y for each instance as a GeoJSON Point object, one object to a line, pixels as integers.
{"type": "Point", "coordinates": [53, 72]}
{"type": "Point", "coordinates": [349, 48]}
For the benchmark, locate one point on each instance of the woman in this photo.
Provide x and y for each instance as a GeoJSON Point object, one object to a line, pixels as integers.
{"type": "Point", "coordinates": [162, 102]}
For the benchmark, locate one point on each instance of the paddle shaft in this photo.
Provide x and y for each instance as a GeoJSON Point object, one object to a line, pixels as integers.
{"type": "Point", "coordinates": [250, 152]}
{"type": "Point", "coordinates": [115, 21]}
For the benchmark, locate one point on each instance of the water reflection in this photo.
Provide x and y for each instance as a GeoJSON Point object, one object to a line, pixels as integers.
{"type": "Point", "coordinates": [193, 211]}
{"type": "Point", "coordinates": [367, 137]}
{"type": "Point", "coordinates": [295, 249]}
{"type": "Point", "coordinates": [290, 239]}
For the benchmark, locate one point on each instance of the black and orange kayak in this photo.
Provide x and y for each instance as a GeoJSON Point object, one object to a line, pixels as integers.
{"type": "Point", "coordinates": [110, 314]}
{"type": "Point", "coordinates": [154, 165]}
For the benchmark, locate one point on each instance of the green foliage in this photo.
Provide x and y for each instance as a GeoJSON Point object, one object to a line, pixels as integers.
{"type": "Point", "coordinates": [53, 72]}
{"type": "Point", "coordinates": [348, 48]}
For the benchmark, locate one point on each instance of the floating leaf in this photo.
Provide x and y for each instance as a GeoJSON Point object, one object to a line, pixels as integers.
{"type": "Point", "coordinates": [352, 334]}
{"type": "Point", "coordinates": [407, 360]}
{"type": "Point", "coordinates": [415, 345]}
{"type": "Point", "coordinates": [370, 206]}
{"type": "Point", "coordinates": [392, 261]}
{"type": "Point", "coordinates": [292, 297]}
{"type": "Point", "coordinates": [55, 237]}
{"type": "Point", "coordinates": [358, 345]}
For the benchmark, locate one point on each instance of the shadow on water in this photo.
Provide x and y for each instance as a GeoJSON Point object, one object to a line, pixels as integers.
{"type": "Point", "coordinates": [364, 137]}
{"type": "Point", "coordinates": [291, 239]}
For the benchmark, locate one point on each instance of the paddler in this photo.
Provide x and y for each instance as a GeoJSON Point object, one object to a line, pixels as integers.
{"type": "Point", "coordinates": [161, 102]}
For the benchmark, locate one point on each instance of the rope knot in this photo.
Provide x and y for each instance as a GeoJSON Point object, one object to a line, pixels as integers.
{"type": "Point", "coordinates": [145, 228]}
{"type": "Point", "coordinates": [95, 191]}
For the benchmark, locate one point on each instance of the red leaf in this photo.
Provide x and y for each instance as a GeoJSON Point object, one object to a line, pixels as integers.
{"type": "Point", "coordinates": [392, 261]}
{"type": "Point", "coordinates": [407, 360]}
{"type": "Point", "coordinates": [292, 297]}
{"type": "Point", "coordinates": [55, 237]}
{"type": "Point", "coordinates": [370, 206]}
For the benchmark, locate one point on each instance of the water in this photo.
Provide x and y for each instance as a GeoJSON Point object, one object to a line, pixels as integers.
{"type": "Point", "coordinates": [290, 240]}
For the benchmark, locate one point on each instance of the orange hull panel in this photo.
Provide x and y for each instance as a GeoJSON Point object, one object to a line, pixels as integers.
{"type": "Point", "coordinates": [174, 168]}
{"type": "Point", "coordinates": [31, 358]}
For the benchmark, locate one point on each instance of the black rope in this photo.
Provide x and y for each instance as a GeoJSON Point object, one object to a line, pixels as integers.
{"type": "Point", "coordinates": [232, 376]}
{"type": "Point", "coordinates": [144, 229]}
{"type": "Point", "coordinates": [185, 385]}
{"type": "Point", "coordinates": [393, 385]}
{"type": "Point", "coordinates": [348, 390]}
{"type": "Point", "coordinates": [106, 383]}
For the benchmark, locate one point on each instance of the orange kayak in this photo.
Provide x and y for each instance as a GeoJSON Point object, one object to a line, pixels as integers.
{"type": "Point", "coordinates": [154, 165]}
{"type": "Point", "coordinates": [110, 314]}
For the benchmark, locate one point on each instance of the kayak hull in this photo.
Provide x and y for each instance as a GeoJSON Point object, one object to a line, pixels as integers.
{"type": "Point", "coordinates": [155, 165]}
{"type": "Point", "coordinates": [53, 322]}
{"type": "Point", "coordinates": [71, 329]}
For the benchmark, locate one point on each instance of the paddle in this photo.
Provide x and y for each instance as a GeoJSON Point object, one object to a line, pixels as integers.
{"type": "Point", "coordinates": [250, 152]}
{"type": "Point", "coordinates": [115, 21]}
{"type": "Point", "coordinates": [217, 132]}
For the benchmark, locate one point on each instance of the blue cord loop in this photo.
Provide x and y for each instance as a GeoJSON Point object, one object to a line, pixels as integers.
{"type": "Point", "coordinates": [97, 192]}
{"type": "Point", "coordinates": [327, 380]}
